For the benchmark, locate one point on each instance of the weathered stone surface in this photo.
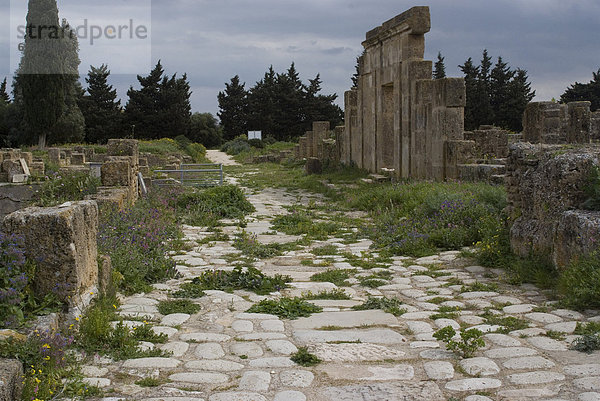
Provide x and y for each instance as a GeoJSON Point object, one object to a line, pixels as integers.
{"type": "Point", "coordinates": [199, 378]}
{"type": "Point", "coordinates": [273, 362]}
{"type": "Point", "coordinates": [473, 384]}
{"type": "Point", "coordinates": [368, 373]}
{"type": "Point", "coordinates": [282, 347]}
{"type": "Point", "coordinates": [545, 318]}
{"type": "Point", "coordinates": [512, 352]}
{"type": "Point", "coordinates": [439, 370]}
{"type": "Point", "coordinates": [151, 363]}
{"type": "Point", "coordinates": [379, 336]}
{"type": "Point", "coordinates": [175, 319]}
{"type": "Point", "coordinates": [242, 326]}
{"type": "Point", "coordinates": [503, 340]}
{"type": "Point", "coordinates": [63, 242]}
{"type": "Point", "coordinates": [237, 396]}
{"type": "Point", "coordinates": [345, 319]}
{"type": "Point", "coordinates": [11, 372]}
{"type": "Point", "coordinates": [272, 325]}
{"type": "Point", "coordinates": [480, 366]}
{"type": "Point", "coordinates": [204, 337]}
{"type": "Point", "coordinates": [256, 381]}
{"type": "Point", "coordinates": [530, 378]}
{"type": "Point", "coordinates": [422, 391]}
{"type": "Point", "coordinates": [588, 383]}
{"type": "Point", "coordinates": [296, 378]}
{"type": "Point", "coordinates": [209, 351]}
{"type": "Point", "coordinates": [528, 362]}
{"type": "Point", "coordinates": [215, 365]}
{"type": "Point", "coordinates": [547, 344]}
{"type": "Point", "coordinates": [355, 352]}
{"type": "Point", "coordinates": [592, 369]}
{"type": "Point", "coordinates": [289, 395]}
{"type": "Point", "coordinates": [251, 350]}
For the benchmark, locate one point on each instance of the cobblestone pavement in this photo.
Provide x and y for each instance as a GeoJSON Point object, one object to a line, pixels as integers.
{"type": "Point", "coordinates": [224, 354]}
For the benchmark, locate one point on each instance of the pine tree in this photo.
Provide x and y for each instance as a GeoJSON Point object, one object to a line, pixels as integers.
{"type": "Point", "coordinates": [3, 93]}
{"type": "Point", "coordinates": [290, 114]}
{"type": "Point", "coordinates": [142, 112]}
{"type": "Point", "coordinates": [471, 72]}
{"type": "Point", "coordinates": [262, 104]}
{"type": "Point", "coordinates": [233, 109]}
{"type": "Point", "coordinates": [321, 107]}
{"type": "Point", "coordinates": [584, 92]}
{"type": "Point", "coordinates": [100, 107]}
{"type": "Point", "coordinates": [500, 78]}
{"type": "Point", "coordinates": [175, 108]}
{"type": "Point", "coordinates": [439, 71]}
{"type": "Point", "coordinates": [483, 113]}
{"type": "Point", "coordinates": [42, 74]}
{"type": "Point", "coordinates": [519, 95]}
{"type": "Point", "coordinates": [357, 71]}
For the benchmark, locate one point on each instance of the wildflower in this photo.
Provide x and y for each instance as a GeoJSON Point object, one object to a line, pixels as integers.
{"type": "Point", "coordinates": [47, 346]}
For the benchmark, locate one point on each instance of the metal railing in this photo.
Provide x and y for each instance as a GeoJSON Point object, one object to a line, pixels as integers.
{"type": "Point", "coordinates": [196, 175]}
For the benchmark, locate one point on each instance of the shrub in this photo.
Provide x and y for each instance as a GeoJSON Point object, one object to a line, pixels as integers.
{"type": "Point", "coordinates": [588, 343]}
{"type": "Point", "coordinates": [252, 279]}
{"type": "Point", "coordinates": [335, 276]}
{"type": "Point", "coordinates": [236, 146]}
{"type": "Point", "coordinates": [136, 239]}
{"type": "Point", "coordinates": [256, 143]}
{"type": "Point", "coordinates": [286, 308]}
{"type": "Point", "coordinates": [13, 280]}
{"type": "Point", "coordinates": [470, 341]}
{"type": "Point", "coordinates": [388, 305]}
{"type": "Point", "coordinates": [178, 306]}
{"type": "Point", "coordinates": [580, 282]}
{"type": "Point", "coordinates": [206, 207]}
{"type": "Point", "coordinates": [63, 187]}
{"type": "Point", "coordinates": [305, 358]}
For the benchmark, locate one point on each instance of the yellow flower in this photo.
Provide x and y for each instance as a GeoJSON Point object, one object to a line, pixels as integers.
{"type": "Point", "coordinates": [47, 346]}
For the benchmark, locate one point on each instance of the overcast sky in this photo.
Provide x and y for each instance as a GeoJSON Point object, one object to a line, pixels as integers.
{"type": "Point", "coordinates": [556, 41]}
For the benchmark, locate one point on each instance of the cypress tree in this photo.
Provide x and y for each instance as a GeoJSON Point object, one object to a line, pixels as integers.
{"type": "Point", "coordinates": [42, 73]}
{"type": "Point", "coordinates": [439, 71]}
{"type": "Point", "coordinates": [519, 95]}
{"type": "Point", "coordinates": [233, 109]}
{"type": "Point", "coordinates": [500, 77]}
{"type": "Point", "coordinates": [3, 93]}
{"type": "Point", "coordinates": [483, 113]}
{"type": "Point", "coordinates": [261, 104]}
{"type": "Point", "coordinates": [175, 109]}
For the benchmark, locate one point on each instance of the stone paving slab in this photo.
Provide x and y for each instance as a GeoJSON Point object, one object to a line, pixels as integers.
{"type": "Point", "coordinates": [346, 319]}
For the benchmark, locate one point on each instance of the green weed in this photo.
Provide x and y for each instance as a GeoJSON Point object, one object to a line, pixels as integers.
{"type": "Point", "coordinates": [335, 276]}
{"type": "Point", "coordinates": [286, 308]}
{"type": "Point", "coordinates": [305, 358]}
{"type": "Point", "coordinates": [470, 341]}
{"type": "Point", "coordinates": [178, 306]}
{"type": "Point", "coordinates": [388, 305]}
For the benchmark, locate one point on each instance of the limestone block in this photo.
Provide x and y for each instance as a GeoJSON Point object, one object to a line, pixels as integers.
{"type": "Point", "coordinates": [124, 147]}
{"type": "Point", "coordinates": [450, 92]}
{"type": "Point", "coordinates": [78, 159]}
{"type": "Point", "coordinates": [105, 278]}
{"type": "Point", "coordinates": [575, 235]}
{"type": "Point", "coordinates": [62, 241]}
{"type": "Point", "coordinates": [117, 172]}
{"type": "Point", "coordinates": [455, 153]}
{"type": "Point", "coordinates": [28, 156]}
{"type": "Point", "coordinates": [579, 122]}
{"type": "Point", "coordinates": [11, 373]}
{"type": "Point", "coordinates": [37, 168]}
{"type": "Point", "coordinates": [117, 198]}
{"type": "Point", "coordinates": [313, 166]}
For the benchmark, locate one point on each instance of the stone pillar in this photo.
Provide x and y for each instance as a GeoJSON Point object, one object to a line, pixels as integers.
{"type": "Point", "coordinates": [578, 130]}
{"type": "Point", "coordinates": [341, 142]}
{"type": "Point", "coordinates": [320, 129]}
{"type": "Point", "coordinates": [310, 138]}
{"type": "Point", "coordinates": [353, 128]}
{"type": "Point", "coordinates": [303, 147]}
{"type": "Point", "coordinates": [54, 155]}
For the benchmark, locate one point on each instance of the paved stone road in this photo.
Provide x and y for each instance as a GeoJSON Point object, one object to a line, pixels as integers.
{"type": "Point", "coordinates": [225, 354]}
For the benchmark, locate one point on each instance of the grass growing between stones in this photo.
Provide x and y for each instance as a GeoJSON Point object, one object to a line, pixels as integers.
{"type": "Point", "coordinates": [251, 279]}
{"type": "Point", "coordinates": [150, 382]}
{"type": "Point", "coordinates": [587, 328]}
{"type": "Point", "coordinates": [305, 358]}
{"type": "Point", "coordinates": [251, 247]}
{"type": "Point", "coordinates": [446, 312]}
{"type": "Point", "coordinates": [480, 287]}
{"type": "Point", "coordinates": [388, 305]}
{"type": "Point", "coordinates": [508, 323]}
{"type": "Point", "coordinates": [62, 187]}
{"type": "Point", "coordinates": [178, 306]}
{"type": "Point", "coordinates": [303, 222]}
{"type": "Point", "coordinates": [336, 294]}
{"type": "Point", "coordinates": [337, 277]}
{"type": "Point", "coordinates": [206, 207]}
{"type": "Point", "coordinates": [325, 250]}
{"type": "Point", "coordinates": [286, 308]}
{"type": "Point", "coordinates": [375, 280]}
{"type": "Point", "coordinates": [470, 341]}
{"type": "Point", "coordinates": [97, 334]}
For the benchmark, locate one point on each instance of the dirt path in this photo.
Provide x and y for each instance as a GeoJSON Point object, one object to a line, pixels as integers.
{"type": "Point", "coordinates": [223, 353]}
{"type": "Point", "coordinates": [216, 156]}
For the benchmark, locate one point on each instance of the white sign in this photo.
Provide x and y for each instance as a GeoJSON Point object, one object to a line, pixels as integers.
{"type": "Point", "coordinates": [254, 135]}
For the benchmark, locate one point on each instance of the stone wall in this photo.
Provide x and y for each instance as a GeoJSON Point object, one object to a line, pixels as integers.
{"type": "Point", "coordinates": [545, 186]}
{"type": "Point", "coordinates": [555, 123]}
{"type": "Point", "coordinates": [15, 197]}
{"type": "Point", "coordinates": [17, 166]}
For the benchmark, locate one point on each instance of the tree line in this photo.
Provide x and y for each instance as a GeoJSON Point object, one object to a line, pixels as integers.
{"type": "Point", "coordinates": [280, 105]}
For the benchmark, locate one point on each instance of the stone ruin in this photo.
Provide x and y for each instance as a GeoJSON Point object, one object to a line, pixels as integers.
{"type": "Point", "coordinates": [403, 123]}
{"type": "Point", "coordinates": [17, 166]}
